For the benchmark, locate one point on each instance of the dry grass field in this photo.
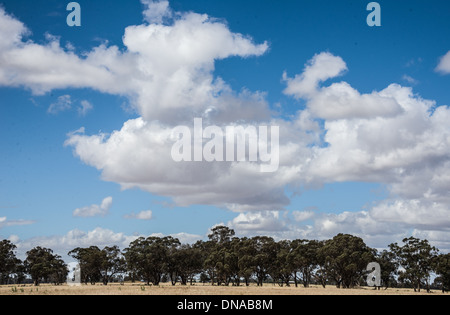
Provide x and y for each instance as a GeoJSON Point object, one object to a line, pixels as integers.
{"type": "Point", "coordinates": [136, 289]}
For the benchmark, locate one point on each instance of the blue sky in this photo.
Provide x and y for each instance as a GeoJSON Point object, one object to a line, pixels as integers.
{"type": "Point", "coordinates": [44, 180]}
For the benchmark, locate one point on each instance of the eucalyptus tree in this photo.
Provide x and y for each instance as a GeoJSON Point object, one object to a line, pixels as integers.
{"type": "Point", "coordinates": [443, 271]}
{"type": "Point", "coordinates": [416, 257]}
{"type": "Point", "coordinates": [44, 266]}
{"type": "Point", "coordinates": [9, 263]}
{"type": "Point", "coordinates": [147, 258]}
{"type": "Point", "coordinates": [346, 258]}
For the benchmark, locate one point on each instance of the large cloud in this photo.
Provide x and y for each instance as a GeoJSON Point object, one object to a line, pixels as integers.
{"type": "Point", "coordinates": [237, 186]}
{"type": "Point", "coordinates": [393, 137]}
{"type": "Point", "coordinates": [175, 65]}
{"type": "Point", "coordinates": [43, 68]}
{"type": "Point", "coordinates": [166, 71]}
{"type": "Point", "coordinates": [340, 100]}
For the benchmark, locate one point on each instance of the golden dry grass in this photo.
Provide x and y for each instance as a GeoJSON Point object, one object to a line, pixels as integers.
{"type": "Point", "coordinates": [199, 289]}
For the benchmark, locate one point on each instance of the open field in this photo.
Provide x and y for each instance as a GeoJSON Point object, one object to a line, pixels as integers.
{"type": "Point", "coordinates": [136, 289]}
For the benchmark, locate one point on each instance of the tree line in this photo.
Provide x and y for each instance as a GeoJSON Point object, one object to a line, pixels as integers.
{"type": "Point", "coordinates": [228, 260]}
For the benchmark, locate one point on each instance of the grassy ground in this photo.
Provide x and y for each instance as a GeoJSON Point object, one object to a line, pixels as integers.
{"type": "Point", "coordinates": [136, 289]}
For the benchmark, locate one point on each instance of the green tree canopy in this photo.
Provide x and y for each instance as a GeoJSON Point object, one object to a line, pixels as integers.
{"type": "Point", "coordinates": [147, 258]}
{"type": "Point", "coordinates": [443, 271]}
{"type": "Point", "coordinates": [9, 264]}
{"type": "Point", "coordinates": [346, 257]}
{"type": "Point", "coordinates": [304, 260]}
{"type": "Point", "coordinates": [99, 265]}
{"type": "Point", "coordinates": [416, 258]}
{"type": "Point", "coordinates": [43, 265]}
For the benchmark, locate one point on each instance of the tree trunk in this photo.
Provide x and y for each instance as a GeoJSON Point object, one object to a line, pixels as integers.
{"type": "Point", "coordinates": [173, 278]}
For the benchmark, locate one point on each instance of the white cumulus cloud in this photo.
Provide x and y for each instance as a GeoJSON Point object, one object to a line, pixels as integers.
{"type": "Point", "coordinates": [143, 215]}
{"type": "Point", "coordinates": [84, 108]}
{"type": "Point", "coordinates": [257, 222]}
{"type": "Point", "coordinates": [94, 210]}
{"type": "Point", "coordinates": [156, 10]}
{"type": "Point", "coordinates": [444, 64]}
{"type": "Point", "coordinates": [63, 103]}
